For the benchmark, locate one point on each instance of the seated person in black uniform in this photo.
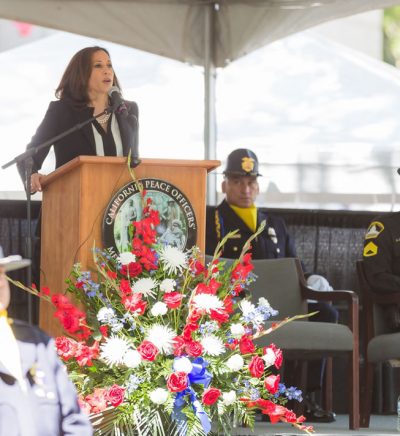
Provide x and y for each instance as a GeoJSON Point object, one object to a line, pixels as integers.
{"type": "Point", "coordinates": [382, 261]}
{"type": "Point", "coordinates": [36, 396]}
{"type": "Point", "coordinates": [238, 211]}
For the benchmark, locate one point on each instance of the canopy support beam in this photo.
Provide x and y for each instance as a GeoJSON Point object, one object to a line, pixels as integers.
{"type": "Point", "coordinates": [210, 75]}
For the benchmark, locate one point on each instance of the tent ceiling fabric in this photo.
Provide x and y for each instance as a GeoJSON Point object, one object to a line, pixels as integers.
{"type": "Point", "coordinates": [176, 28]}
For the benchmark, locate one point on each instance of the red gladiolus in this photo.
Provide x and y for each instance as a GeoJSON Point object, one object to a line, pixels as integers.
{"type": "Point", "coordinates": [125, 287]}
{"type": "Point", "coordinates": [97, 400]}
{"type": "Point", "coordinates": [219, 315]}
{"type": "Point", "coordinates": [179, 345]}
{"type": "Point", "coordinates": [66, 347]}
{"type": "Point", "coordinates": [85, 354]}
{"type": "Point", "coordinates": [112, 274]}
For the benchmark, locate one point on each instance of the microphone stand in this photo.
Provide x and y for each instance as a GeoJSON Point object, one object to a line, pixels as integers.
{"type": "Point", "coordinates": [27, 158]}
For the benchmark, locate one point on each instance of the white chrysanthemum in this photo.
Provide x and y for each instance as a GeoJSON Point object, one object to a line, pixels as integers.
{"type": "Point", "coordinates": [228, 398]}
{"type": "Point", "coordinates": [263, 302]}
{"type": "Point", "coordinates": [132, 358]}
{"type": "Point", "coordinates": [126, 258]}
{"type": "Point", "coordinates": [167, 285]}
{"type": "Point", "coordinates": [159, 309]}
{"type": "Point", "coordinates": [162, 337]}
{"type": "Point", "coordinates": [212, 345]}
{"type": "Point", "coordinates": [269, 357]}
{"type": "Point", "coordinates": [113, 350]}
{"type": "Point", "coordinates": [105, 314]}
{"type": "Point", "coordinates": [207, 302]}
{"type": "Point", "coordinates": [237, 330]}
{"type": "Point", "coordinates": [159, 396]}
{"type": "Point", "coordinates": [173, 259]}
{"type": "Point", "coordinates": [145, 286]}
{"type": "Point", "coordinates": [246, 307]}
{"type": "Point", "coordinates": [235, 362]}
{"type": "Point", "coordinates": [182, 364]}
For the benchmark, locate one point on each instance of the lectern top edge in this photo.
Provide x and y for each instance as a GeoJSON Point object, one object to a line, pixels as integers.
{"type": "Point", "coordinates": [209, 165]}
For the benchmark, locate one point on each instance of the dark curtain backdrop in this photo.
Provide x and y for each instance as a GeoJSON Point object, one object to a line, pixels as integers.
{"type": "Point", "coordinates": [328, 243]}
{"type": "Point", "coordinates": [13, 238]}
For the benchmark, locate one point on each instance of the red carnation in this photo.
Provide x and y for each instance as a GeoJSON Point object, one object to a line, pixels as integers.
{"type": "Point", "coordinates": [133, 269]}
{"type": "Point", "coordinates": [271, 383]}
{"type": "Point", "coordinates": [147, 350]}
{"type": "Point", "coordinates": [173, 299]}
{"type": "Point", "coordinates": [256, 366]}
{"type": "Point", "coordinates": [246, 345]}
{"type": "Point", "coordinates": [115, 395]}
{"type": "Point", "coordinates": [194, 348]}
{"type": "Point", "coordinates": [210, 396]}
{"type": "Point", "coordinates": [134, 303]}
{"type": "Point", "coordinates": [177, 381]}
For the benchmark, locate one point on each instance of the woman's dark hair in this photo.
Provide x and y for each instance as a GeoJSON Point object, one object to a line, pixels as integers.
{"type": "Point", "coordinates": [74, 82]}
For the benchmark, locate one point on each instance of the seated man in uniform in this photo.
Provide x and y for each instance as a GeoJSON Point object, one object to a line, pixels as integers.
{"type": "Point", "coordinates": [238, 211]}
{"type": "Point", "coordinates": [382, 261]}
{"type": "Point", "coordinates": [36, 396]}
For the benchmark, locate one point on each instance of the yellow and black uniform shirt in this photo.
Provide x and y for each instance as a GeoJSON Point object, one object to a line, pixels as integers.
{"type": "Point", "coordinates": [381, 253]}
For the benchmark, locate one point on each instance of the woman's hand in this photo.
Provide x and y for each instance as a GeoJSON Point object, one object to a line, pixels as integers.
{"type": "Point", "coordinates": [36, 182]}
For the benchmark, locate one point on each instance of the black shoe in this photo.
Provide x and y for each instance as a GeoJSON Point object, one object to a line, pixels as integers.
{"type": "Point", "coordinates": [314, 413]}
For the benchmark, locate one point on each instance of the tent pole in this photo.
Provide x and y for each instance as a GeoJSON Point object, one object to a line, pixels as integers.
{"type": "Point", "coordinates": [210, 74]}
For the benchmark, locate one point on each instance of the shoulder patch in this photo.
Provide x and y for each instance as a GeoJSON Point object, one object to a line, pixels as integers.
{"type": "Point", "coordinates": [370, 249]}
{"type": "Point", "coordinates": [374, 230]}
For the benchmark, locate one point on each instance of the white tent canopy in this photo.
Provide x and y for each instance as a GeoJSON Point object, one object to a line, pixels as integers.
{"type": "Point", "coordinates": [186, 30]}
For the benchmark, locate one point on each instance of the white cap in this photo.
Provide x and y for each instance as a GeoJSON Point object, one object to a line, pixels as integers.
{"type": "Point", "coordinates": [11, 263]}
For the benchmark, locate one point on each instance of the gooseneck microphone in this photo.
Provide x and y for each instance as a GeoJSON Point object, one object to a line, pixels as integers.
{"type": "Point", "coordinates": [117, 102]}
{"type": "Point", "coordinates": [118, 106]}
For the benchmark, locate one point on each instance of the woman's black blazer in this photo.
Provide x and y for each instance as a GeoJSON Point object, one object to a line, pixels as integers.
{"type": "Point", "coordinates": [61, 116]}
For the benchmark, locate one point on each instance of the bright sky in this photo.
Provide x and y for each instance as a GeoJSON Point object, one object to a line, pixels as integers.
{"type": "Point", "coordinates": [322, 118]}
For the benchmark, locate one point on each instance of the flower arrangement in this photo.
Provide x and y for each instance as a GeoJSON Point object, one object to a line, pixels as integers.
{"type": "Point", "coordinates": [160, 344]}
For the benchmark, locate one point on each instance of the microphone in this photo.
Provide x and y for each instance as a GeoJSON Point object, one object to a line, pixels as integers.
{"type": "Point", "coordinates": [117, 103]}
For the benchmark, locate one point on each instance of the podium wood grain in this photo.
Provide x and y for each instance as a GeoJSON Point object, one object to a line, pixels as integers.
{"type": "Point", "coordinates": [75, 197]}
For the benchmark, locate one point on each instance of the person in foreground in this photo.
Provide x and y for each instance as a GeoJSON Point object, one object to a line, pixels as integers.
{"type": "Point", "coordinates": [381, 257]}
{"type": "Point", "coordinates": [83, 92]}
{"type": "Point", "coordinates": [238, 211]}
{"type": "Point", "coordinates": [36, 396]}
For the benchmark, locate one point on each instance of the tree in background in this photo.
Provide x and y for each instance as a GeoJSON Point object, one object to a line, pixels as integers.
{"type": "Point", "coordinates": [391, 36]}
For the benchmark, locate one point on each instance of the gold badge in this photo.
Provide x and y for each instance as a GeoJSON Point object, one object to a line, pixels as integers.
{"type": "Point", "coordinates": [247, 164]}
{"type": "Point", "coordinates": [374, 230]}
{"type": "Point", "coordinates": [370, 249]}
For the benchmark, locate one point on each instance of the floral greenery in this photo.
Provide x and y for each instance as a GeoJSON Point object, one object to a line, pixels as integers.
{"type": "Point", "coordinates": [161, 344]}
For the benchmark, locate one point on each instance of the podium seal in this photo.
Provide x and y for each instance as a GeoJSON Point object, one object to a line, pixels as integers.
{"type": "Point", "coordinates": [178, 226]}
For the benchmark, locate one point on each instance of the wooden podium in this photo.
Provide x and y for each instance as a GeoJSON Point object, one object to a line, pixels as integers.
{"type": "Point", "coordinates": [75, 197]}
